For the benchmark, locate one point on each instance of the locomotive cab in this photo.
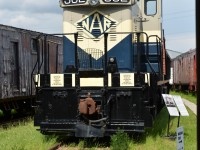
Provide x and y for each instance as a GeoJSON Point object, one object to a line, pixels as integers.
{"type": "Point", "coordinates": [112, 62]}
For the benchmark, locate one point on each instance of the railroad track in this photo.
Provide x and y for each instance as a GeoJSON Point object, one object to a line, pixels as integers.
{"type": "Point", "coordinates": [65, 142]}
{"type": "Point", "coordinates": [56, 146]}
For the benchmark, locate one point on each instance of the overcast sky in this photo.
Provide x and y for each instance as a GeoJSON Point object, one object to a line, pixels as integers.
{"type": "Point", "coordinates": [46, 16]}
{"type": "Point", "coordinates": [179, 24]}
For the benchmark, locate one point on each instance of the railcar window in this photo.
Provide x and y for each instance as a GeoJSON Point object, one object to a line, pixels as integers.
{"type": "Point", "coordinates": [150, 7]}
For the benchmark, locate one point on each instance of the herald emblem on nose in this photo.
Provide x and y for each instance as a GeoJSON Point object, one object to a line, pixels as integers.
{"type": "Point", "coordinates": [96, 24]}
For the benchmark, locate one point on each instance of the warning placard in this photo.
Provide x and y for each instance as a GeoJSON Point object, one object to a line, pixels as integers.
{"type": "Point", "coordinates": [126, 79]}
{"type": "Point", "coordinates": [57, 80]}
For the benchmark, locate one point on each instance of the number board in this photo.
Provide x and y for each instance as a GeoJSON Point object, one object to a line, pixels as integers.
{"type": "Point", "coordinates": [73, 2]}
{"type": "Point", "coordinates": [116, 1]}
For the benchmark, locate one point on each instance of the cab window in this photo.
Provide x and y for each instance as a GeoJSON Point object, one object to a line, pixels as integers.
{"type": "Point", "coordinates": [150, 7]}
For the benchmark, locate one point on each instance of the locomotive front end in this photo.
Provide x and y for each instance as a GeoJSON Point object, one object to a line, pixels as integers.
{"type": "Point", "coordinates": [112, 67]}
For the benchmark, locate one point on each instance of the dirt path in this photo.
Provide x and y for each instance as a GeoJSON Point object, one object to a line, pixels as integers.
{"type": "Point", "coordinates": [192, 106]}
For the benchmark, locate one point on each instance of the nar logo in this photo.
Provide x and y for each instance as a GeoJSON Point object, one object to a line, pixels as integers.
{"type": "Point", "coordinates": [96, 24]}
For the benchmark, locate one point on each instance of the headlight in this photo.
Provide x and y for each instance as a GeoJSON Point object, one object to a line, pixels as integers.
{"type": "Point", "coordinates": [112, 59]}
{"type": "Point", "coordinates": [94, 2]}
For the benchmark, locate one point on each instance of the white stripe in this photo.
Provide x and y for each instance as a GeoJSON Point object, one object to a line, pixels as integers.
{"type": "Point", "coordinates": [147, 78]}
{"type": "Point", "coordinates": [109, 79]}
{"type": "Point", "coordinates": [73, 80]}
{"type": "Point", "coordinates": [37, 79]}
{"type": "Point", "coordinates": [93, 82]}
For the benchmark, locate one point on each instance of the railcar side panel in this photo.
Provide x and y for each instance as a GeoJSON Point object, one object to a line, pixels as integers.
{"type": "Point", "coordinates": [184, 71]}
{"type": "Point", "coordinates": [18, 56]}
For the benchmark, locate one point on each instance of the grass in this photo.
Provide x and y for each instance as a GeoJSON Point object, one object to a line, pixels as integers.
{"type": "Point", "coordinates": [1, 113]}
{"type": "Point", "coordinates": [120, 140]}
{"type": "Point", "coordinates": [192, 98]}
{"type": "Point", "coordinates": [153, 139]}
{"type": "Point", "coordinates": [24, 137]}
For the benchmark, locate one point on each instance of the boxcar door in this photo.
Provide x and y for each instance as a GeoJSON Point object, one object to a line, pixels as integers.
{"type": "Point", "coordinates": [14, 66]}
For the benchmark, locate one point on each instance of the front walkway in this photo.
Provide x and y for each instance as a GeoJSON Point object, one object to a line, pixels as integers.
{"type": "Point", "coordinates": [192, 106]}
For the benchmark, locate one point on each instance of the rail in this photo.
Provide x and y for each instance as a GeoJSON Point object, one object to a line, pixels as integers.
{"type": "Point", "coordinates": [56, 146]}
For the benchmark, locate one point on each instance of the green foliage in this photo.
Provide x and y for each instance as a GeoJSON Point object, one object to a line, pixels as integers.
{"type": "Point", "coordinates": [1, 113]}
{"type": "Point", "coordinates": [155, 137]}
{"type": "Point", "coordinates": [24, 137]}
{"type": "Point", "coordinates": [120, 141]}
{"type": "Point", "coordinates": [81, 145]}
{"type": "Point", "coordinates": [189, 96]}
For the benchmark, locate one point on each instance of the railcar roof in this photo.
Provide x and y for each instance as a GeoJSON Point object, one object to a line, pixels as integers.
{"type": "Point", "coordinates": [191, 51]}
{"type": "Point", "coordinates": [7, 27]}
{"type": "Point", "coordinates": [173, 54]}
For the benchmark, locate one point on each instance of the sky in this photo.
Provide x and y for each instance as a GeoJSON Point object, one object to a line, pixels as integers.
{"type": "Point", "coordinates": [46, 16]}
{"type": "Point", "coordinates": [179, 24]}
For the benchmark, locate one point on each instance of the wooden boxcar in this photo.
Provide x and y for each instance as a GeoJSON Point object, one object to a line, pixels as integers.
{"type": "Point", "coordinates": [184, 71]}
{"type": "Point", "coordinates": [18, 57]}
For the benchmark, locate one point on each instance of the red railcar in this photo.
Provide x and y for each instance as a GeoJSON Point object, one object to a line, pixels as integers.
{"type": "Point", "coordinates": [184, 71]}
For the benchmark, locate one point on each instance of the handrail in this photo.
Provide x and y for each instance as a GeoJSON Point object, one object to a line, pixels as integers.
{"type": "Point", "coordinates": [76, 34]}
{"type": "Point", "coordinates": [158, 41]}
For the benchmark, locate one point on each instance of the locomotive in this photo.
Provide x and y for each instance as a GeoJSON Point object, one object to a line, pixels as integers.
{"type": "Point", "coordinates": [114, 70]}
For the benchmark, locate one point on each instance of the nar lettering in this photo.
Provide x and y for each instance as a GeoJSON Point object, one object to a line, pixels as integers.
{"type": "Point", "coordinates": [96, 24]}
{"type": "Point", "coordinates": [102, 26]}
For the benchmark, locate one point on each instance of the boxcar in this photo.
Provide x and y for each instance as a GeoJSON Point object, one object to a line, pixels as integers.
{"type": "Point", "coordinates": [184, 71]}
{"type": "Point", "coordinates": [18, 57]}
